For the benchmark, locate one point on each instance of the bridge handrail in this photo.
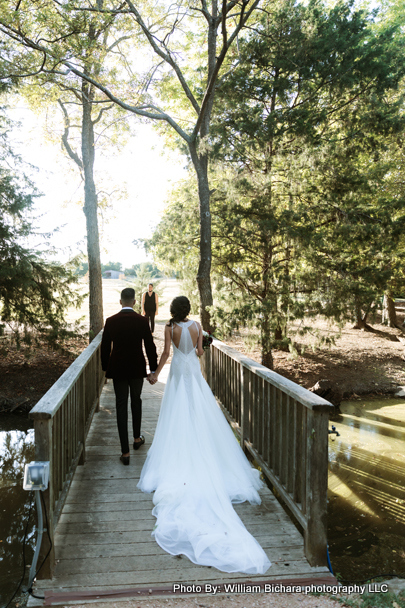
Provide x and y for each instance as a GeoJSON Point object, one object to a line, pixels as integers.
{"type": "Point", "coordinates": [62, 420]}
{"type": "Point", "coordinates": [284, 427]}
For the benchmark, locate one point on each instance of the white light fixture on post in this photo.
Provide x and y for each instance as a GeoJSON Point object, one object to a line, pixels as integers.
{"type": "Point", "coordinates": [36, 477]}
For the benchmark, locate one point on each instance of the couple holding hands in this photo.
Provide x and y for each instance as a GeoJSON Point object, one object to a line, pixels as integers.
{"type": "Point", "coordinates": [123, 360]}
{"type": "Point", "coordinates": [195, 467]}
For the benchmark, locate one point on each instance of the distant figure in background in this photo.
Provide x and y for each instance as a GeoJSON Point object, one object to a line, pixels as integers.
{"type": "Point", "coordinates": [150, 306]}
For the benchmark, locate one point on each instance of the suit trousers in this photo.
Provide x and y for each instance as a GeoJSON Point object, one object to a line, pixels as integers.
{"type": "Point", "coordinates": [122, 388]}
{"type": "Point", "coordinates": [150, 315]}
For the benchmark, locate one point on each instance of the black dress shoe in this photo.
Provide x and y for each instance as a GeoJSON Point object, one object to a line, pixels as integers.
{"type": "Point", "coordinates": [137, 444]}
{"type": "Point", "coordinates": [124, 459]}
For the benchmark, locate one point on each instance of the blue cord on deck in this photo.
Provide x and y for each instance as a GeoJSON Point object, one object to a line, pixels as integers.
{"type": "Point", "coordinates": [329, 564]}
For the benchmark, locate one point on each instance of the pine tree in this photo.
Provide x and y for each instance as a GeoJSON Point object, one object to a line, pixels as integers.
{"type": "Point", "coordinates": [35, 293]}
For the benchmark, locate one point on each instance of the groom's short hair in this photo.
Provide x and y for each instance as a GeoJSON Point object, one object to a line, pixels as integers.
{"type": "Point", "coordinates": [128, 294]}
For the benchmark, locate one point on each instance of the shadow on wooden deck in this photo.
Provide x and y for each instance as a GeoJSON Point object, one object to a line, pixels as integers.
{"type": "Point", "coordinates": [104, 547]}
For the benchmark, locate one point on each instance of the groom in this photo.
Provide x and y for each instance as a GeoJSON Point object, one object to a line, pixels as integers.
{"type": "Point", "coordinates": [125, 364]}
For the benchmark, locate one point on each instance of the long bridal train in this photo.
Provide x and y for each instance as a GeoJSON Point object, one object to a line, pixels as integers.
{"type": "Point", "coordinates": [197, 469]}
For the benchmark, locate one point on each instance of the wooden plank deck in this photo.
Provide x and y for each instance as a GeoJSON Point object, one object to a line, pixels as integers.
{"type": "Point", "coordinates": [103, 540]}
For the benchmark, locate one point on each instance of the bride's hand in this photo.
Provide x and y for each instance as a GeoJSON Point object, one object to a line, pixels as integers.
{"type": "Point", "coordinates": [153, 378]}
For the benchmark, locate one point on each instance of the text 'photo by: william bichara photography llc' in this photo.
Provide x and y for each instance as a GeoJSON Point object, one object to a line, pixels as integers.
{"type": "Point", "coordinates": [280, 588]}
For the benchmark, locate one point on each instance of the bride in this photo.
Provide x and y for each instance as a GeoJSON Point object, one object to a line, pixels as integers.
{"type": "Point", "coordinates": [195, 465]}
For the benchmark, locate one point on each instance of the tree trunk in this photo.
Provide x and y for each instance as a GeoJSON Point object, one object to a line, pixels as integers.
{"type": "Point", "coordinates": [90, 211]}
{"type": "Point", "coordinates": [389, 316]}
{"type": "Point", "coordinates": [204, 268]}
{"type": "Point", "coordinates": [361, 320]}
{"type": "Point", "coordinates": [266, 343]}
{"type": "Point", "coordinates": [200, 161]}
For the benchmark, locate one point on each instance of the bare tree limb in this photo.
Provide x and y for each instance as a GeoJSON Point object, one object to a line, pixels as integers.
{"type": "Point", "coordinates": [118, 11]}
{"type": "Point", "coordinates": [224, 32]}
{"type": "Point", "coordinates": [105, 109]}
{"type": "Point", "coordinates": [166, 56]}
{"type": "Point", "coordinates": [41, 69]}
{"type": "Point", "coordinates": [157, 115]}
{"type": "Point", "coordinates": [117, 42]}
{"type": "Point", "coordinates": [243, 19]}
{"type": "Point", "coordinates": [202, 11]}
{"type": "Point", "coordinates": [65, 138]}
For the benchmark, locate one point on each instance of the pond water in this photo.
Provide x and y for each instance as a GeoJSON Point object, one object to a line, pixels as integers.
{"type": "Point", "coordinates": [366, 489]}
{"type": "Point", "coordinates": [16, 448]}
{"type": "Point", "coordinates": [366, 495]}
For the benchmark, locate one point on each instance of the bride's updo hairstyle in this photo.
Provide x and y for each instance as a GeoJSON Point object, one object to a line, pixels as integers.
{"type": "Point", "coordinates": [179, 309]}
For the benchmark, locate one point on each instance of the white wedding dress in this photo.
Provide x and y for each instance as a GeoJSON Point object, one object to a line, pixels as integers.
{"type": "Point", "coordinates": [197, 469]}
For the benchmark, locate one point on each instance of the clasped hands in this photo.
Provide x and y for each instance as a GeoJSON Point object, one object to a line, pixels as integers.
{"type": "Point", "coordinates": [152, 378]}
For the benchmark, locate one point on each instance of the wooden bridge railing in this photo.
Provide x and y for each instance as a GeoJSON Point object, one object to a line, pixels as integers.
{"type": "Point", "coordinates": [285, 429]}
{"type": "Point", "coordinates": [62, 419]}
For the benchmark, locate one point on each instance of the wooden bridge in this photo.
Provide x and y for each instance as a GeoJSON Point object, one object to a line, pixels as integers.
{"type": "Point", "coordinates": [100, 524]}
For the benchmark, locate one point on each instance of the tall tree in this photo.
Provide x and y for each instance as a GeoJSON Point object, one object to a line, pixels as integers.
{"type": "Point", "coordinates": [34, 292]}
{"type": "Point", "coordinates": [93, 43]}
{"type": "Point", "coordinates": [179, 92]}
{"type": "Point", "coordinates": [298, 119]}
{"type": "Point", "coordinates": [303, 222]}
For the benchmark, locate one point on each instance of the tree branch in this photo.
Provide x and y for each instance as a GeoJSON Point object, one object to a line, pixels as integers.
{"type": "Point", "coordinates": [160, 115]}
{"type": "Point", "coordinates": [211, 85]}
{"type": "Point", "coordinates": [110, 48]}
{"type": "Point", "coordinates": [203, 11]}
{"type": "Point", "coordinates": [65, 138]}
{"type": "Point", "coordinates": [41, 69]}
{"type": "Point", "coordinates": [105, 109]}
{"type": "Point", "coordinates": [224, 32]}
{"type": "Point", "coordinates": [166, 56]}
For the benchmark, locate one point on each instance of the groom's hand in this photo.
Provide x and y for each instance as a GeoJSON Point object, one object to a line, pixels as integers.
{"type": "Point", "coordinates": [151, 378]}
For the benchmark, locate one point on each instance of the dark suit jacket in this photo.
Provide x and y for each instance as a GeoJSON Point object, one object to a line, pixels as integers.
{"type": "Point", "coordinates": [125, 331]}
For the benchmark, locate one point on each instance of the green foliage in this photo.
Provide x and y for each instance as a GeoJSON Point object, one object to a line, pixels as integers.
{"type": "Point", "coordinates": [34, 293]}
{"type": "Point", "coordinates": [307, 137]}
{"type": "Point", "coordinates": [82, 269]}
{"type": "Point", "coordinates": [152, 269]}
{"type": "Point", "coordinates": [310, 228]}
{"type": "Point", "coordinates": [175, 242]}
{"type": "Point", "coordinates": [111, 266]}
{"type": "Point", "coordinates": [374, 600]}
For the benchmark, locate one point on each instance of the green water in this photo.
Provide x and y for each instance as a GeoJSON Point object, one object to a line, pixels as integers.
{"type": "Point", "coordinates": [366, 489]}
{"type": "Point", "coordinates": [16, 448]}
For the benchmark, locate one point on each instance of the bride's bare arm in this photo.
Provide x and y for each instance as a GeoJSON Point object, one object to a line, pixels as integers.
{"type": "Point", "coordinates": [166, 352]}
{"type": "Point", "coordinates": [200, 350]}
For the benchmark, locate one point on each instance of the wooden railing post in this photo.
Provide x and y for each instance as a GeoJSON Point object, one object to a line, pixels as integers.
{"type": "Point", "coordinates": [99, 373]}
{"type": "Point", "coordinates": [315, 540]}
{"type": "Point", "coordinates": [244, 405]}
{"type": "Point", "coordinates": [43, 452]}
{"type": "Point", "coordinates": [82, 413]}
{"type": "Point", "coordinates": [208, 364]}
